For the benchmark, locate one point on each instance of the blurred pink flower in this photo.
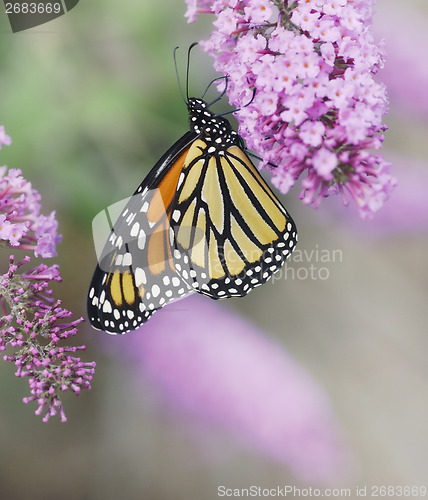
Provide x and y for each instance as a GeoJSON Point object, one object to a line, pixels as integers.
{"type": "Point", "coordinates": [406, 70]}
{"type": "Point", "coordinates": [216, 366]}
{"type": "Point", "coordinates": [406, 213]}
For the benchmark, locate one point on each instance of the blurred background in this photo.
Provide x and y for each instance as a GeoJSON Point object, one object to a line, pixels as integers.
{"type": "Point", "coordinates": [91, 102]}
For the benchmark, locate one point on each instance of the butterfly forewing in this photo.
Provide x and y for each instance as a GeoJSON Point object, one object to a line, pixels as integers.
{"type": "Point", "coordinates": [136, 275]}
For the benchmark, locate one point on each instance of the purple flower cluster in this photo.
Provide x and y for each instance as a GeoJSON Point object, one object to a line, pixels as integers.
{"type": "Point", "coordinates": [21, 224]}
{"type": "Point", "coordinates": [33, 324]}
{"type": "Point", "coordinates": [317, 109]}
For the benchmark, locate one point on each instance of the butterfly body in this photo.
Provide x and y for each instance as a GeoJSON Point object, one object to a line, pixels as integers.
{"type": "Point", "coordinates": [203, 220]}
{"type": "Point", "coordinates": [215, 130]}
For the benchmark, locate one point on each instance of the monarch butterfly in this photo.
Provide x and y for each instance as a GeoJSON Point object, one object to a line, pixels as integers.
{"type": "Point", "coordinates": [203, 220]}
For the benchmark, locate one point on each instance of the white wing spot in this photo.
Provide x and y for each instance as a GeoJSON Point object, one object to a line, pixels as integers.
{"type": "Point", "coordinates": [127, 259]}
{"type": "Point", "coordinates": [180, 179]}
{"type": "Point", "coordinates": [141, 240]}
{"type": "Point", "coordinates": [107, 307]}
{"type": "Point", "coordinates": [176, 281]}
{"type": "Point", "coordinates": [130, 218]}
{"type": "Point", "coordinates": [135, 229]}
{"type": "Point", "coordinates": [176, 215]}
{"type": "Point", "coordinates": [140, 277]}
{"type": "Point", "coordinates": [145, 207]}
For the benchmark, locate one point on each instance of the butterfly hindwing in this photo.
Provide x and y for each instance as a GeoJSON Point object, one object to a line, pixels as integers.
{"type": "Point", "coordinates": [241, 232]}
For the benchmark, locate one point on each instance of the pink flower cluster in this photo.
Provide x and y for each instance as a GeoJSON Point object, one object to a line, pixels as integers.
{"type": "Point", "coordinates": [21, 224]}
{"type": "Point", "coordinates": [317, 109]}
{"type": "Point", "coordinates": [33, 323]}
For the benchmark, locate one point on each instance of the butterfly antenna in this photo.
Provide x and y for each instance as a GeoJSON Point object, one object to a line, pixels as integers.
{"type": "Point", "coordinates": [188, 68]}
{"type": "Point", "coordinates": [239, 109]}
{"type": "Point", "coordinates": [178, 76]}
{"type": "Point", "coordinates": [226, 80]}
